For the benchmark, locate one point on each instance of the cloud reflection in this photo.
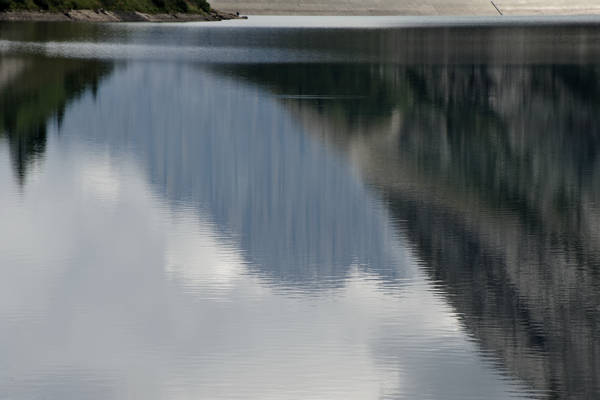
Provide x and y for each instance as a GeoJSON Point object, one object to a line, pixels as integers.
{"type": "Point", "coordinates": [156, 262]}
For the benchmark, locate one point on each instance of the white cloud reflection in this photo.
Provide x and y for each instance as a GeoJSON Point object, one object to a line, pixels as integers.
{"type": "Point", "coordinates": [110, 290]}
{"type": "Point", "coordinates": [128, 299]}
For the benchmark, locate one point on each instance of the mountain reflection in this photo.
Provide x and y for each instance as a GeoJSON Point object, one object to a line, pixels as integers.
{"type": "Point", "coordinates": [492, 172]}
{"type": "Point", "coordinates": [32, 93]}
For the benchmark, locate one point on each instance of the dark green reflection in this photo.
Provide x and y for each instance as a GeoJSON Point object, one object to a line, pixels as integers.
{"type": "Point", "coordinates": [524, 139]}
{"type": "Point", "coordinates": [23, 31]}
{"type": "Point", "coordinates": [34, 92]}
{"type": "Point", "coordinates": [493, 173]}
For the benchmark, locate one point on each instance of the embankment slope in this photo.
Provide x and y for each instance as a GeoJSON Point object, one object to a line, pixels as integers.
{"type": "Point", "coordinates": [409, 7]}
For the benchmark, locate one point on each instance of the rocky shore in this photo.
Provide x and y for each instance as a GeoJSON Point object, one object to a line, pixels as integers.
{"type": "Point", "coordinates": [114, 16]}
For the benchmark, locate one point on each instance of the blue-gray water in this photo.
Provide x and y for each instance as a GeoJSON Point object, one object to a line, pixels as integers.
{"type": "Point", "coordinates": [309, 208]}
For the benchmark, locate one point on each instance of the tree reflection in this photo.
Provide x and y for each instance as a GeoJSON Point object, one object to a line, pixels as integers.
{"type": "Point", "coordinates": [492, 171]}
{"type": "Point", "coordinates": [35, 92]}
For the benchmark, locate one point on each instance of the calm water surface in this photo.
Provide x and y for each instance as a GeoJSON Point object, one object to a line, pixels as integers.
{"type": "Point", "coordinates": [301, 208]}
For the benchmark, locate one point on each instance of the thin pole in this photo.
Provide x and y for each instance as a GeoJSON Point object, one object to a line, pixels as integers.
{"type": "Point", "coordinates": [496, 7]}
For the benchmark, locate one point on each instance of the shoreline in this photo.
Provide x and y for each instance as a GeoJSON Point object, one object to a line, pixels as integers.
{"type": "Point", "coordinates": [113, 16]}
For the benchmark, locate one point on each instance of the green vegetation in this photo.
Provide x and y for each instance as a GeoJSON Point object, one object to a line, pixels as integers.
{"type": "Point", "coordinates": [145, 6]}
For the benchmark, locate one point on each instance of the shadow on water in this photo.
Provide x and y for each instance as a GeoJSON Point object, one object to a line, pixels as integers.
{"type": "Point", "coordinates": [33, 92]}
{"type": "Point", "coordinates": [492, 171]}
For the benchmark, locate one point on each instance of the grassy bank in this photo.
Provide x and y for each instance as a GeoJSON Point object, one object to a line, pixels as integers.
{"type": "Point", "coordinates": [144, 6]}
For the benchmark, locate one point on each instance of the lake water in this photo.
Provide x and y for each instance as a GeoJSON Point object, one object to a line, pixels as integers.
{"type": "Point", "coordinates": [300, 208]}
